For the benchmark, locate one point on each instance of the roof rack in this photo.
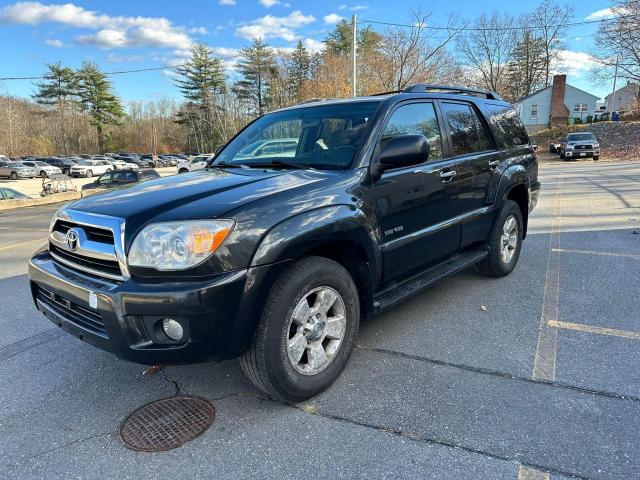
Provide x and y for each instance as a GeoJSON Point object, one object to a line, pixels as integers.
{"type": "Point", "coordinates": [425, 87]}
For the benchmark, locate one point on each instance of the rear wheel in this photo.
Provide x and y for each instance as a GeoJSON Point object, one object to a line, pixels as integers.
{"type": "Point", "coordinates": [505, 242]}
{"type": "Point", "coordinates": [307, 331]}
{"type": "Point", "coordinates": [43, 174]}
{"type": "Point", "coordinates": [13, 176]}
{"type": "Point", "coordinates": [89, 173]}
{"type": "Point", "coordinates": [183, 170]}
{"type": "Point", "coordinates": [596, 157]}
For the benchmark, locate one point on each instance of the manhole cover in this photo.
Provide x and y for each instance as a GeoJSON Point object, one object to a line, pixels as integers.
{"type": "Point", "coordinates": [166, 424]}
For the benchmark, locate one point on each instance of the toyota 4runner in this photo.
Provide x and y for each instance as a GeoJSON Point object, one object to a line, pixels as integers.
{"type": "Point", "coordinates": [277, 259]}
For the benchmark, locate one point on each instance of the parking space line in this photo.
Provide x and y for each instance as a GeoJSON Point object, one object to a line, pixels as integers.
{"type": "Point", "coordinates": [41, 241]}
{"type": "Point", "coordinates": [580, 327]}
{"type": "Point", "coordinates": [544, 363]}
{"type": "Point", "coordinates": [594, 252]}
{"type": "Point", "coordinates": [528, 473]}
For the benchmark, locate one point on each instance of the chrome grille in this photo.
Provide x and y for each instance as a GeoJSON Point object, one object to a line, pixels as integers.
{"type": "Point", "coordinates": [95, 248]}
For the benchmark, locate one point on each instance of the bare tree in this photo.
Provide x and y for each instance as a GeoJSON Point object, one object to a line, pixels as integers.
{"type": "Point", "coordinates": [415, 55]}
{"type": "Point", "coordinates": [549, 20]}
{"type": "Point", "coordinates": [487, 49]}
{"type": "Point", "coordinates": [619, 39]}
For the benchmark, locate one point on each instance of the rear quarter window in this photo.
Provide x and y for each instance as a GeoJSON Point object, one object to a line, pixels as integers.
{"type": "Point", "coordinates": [507, 126]}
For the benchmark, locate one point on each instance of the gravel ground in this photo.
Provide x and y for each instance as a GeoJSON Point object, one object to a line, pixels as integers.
{"type": "Point", "coordinates": [532, 376]}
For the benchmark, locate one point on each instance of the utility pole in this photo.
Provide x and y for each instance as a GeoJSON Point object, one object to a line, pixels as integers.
{"type": "Point", "coordinates": [354, 47]}
{"type": "Point", "coordinates": [615, 79]}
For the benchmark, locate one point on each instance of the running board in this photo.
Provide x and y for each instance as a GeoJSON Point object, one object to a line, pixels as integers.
{"type": "Point", "coordinates": [396, 294]}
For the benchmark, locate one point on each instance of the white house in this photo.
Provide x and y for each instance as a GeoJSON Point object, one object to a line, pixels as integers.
{"type": "Point", "coordinates": [555, 105]}
{"type": "Point", "coordinates": [626, 98]}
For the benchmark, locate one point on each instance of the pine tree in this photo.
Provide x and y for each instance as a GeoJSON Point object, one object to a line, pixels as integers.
{"type": "Point", "coordinates": [58, 93]}
{"type": "Point", "coordinates": [526, 69]}
{"type": "Point", "coordinates": [256, 67]}
{"type": "Point", "coordinates": [97, 100]}
{"type": "Point", "coordinates": [339, 41]}
{"type": "Point", "coordinates": [300, 69]}
{"type": "Point", "coordinates": [202, 82]}
{"type": "Point", "coordinates": [202, 77]}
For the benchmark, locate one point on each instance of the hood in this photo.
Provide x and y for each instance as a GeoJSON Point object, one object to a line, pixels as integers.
{"type": "Point", "coordinates": [201, 194]}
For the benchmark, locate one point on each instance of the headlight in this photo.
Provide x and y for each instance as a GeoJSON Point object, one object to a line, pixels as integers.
{"type": "Point", "coordinates": [596, 145]}
{"type": "Point", "coordinates": [178, 245]}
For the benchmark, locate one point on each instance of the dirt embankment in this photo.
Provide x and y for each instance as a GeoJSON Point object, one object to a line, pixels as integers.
{"type": "Point", "coordinates": [618, 140]}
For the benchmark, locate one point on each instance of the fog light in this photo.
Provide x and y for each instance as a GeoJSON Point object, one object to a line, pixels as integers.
{"type": "Point", "coordinates": [172, 329]}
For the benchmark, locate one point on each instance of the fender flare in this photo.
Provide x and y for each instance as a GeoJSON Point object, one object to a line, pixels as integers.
{"type": "Point", "coordinates": [512, 176]}
{"type": "Point", "coordinates": [302, 232]}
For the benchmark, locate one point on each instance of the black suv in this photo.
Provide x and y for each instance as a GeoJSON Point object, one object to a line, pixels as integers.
{"type": "Point", "coordinates": [120, 178]}
{"type": "Point", "coordinates": [277, 258]}
{"type": "Point", "coordinates": [64, 164]}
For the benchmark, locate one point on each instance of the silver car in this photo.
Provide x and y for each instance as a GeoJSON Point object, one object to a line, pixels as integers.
{"type": "Point", "coordinates": [580, 145]}
{"type": "Point", "coordinates": [43, 169]}
{"type": "Point", "coordinates": [15, 170]}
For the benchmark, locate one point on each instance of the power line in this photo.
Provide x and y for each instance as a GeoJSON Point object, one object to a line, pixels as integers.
{"type": "Point", "coordinates": [121, 72]}
{"type": "Point", "coordinates": [480, 29]}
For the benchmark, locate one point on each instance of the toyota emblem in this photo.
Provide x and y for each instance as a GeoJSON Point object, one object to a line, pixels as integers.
{"type": "Point", "coordinates": [72, 239]}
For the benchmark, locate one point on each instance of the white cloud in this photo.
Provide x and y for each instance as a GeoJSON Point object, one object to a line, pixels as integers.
{"type": "Point", "coordinates": [332, 18]}
{"type": "Point", "coordinates": [342, 7]}
{"type": "Point", "coordinates": [111, 31]}
{"type": "Point", "coordinates": [54, 43]}
{"type": "Point", "coordinates": [314, 46]}
{"type": "Point", "coordinates": [227, 2]}
{"type": "Point", "coordinates": [358, 8]}
{"type": "Point", "coordinates": [269, 3]}
{"type": "Point", "coordinates": [606, 13]}
{"type": "Point", "coordinates": [199, 30]}
{"type": "Point", "coordinates": [116, 58]}
{"type": "Point", "coordinates": [275, 27]}
{"type": "Point", "coordinates": [575, 63]}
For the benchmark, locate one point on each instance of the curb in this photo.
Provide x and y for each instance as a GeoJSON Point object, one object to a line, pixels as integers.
{"type": "Point", "coordinates": [31, 202]}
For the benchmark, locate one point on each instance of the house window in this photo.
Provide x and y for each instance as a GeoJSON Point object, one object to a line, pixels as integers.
{"type": "Point", "coordinates": [581, 108]}
{"type": "Point", "coordinates": [534, 110]}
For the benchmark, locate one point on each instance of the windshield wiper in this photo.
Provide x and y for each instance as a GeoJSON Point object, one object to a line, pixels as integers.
{"type": "Point", "coordinates": [224, 164]}
{"type": "Point", "coordinates": [280, 163]}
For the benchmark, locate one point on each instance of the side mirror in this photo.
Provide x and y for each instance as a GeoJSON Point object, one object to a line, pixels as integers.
{"type": "Point", "coordinates": [404, 151]}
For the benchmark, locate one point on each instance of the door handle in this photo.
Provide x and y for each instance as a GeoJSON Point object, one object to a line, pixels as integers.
{"type": "Point", "coordinates": [494, 164]}
{"type": "Point", "coordinates": [447, 175]}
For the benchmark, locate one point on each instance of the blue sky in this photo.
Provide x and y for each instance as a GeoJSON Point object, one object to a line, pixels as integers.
{"type": "Point", "coordinates": [123, 35]}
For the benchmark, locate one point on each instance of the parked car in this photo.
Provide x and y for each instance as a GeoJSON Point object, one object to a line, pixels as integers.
{"type": "Point", "coordinates": [43, 169]}
{"type": "Point", "coordinates": [169, 160]}
{"type": "Point", "coordinates": [120, 178]}
{"type": "Point", "coordinates": [196, 163]}
{"type": "Point", "coordinates": [282, 147]}
{"type": "Point", "coordinates": [89, 168]}
{"type": "Point", "coordinates": [554, 147]}
{"type": "Point", "coordinates": [119, 164]}
{"type": "Point", "coordinates": [5, 159]}
{"type": "Point", "coordinates": [151, 158]}
{"type": "Point", "coordinates": [11, 194]}
{"type": "Point", "coordinates": [15, 170]}
{"type": "Point", "coordinates": [277, 259]}
{"type": "Point", "coordinates": [64, 164]}
{"type": "Point", "coordinates": [579, 145]}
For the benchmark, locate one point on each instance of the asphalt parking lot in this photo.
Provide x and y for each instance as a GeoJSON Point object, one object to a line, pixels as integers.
{"type": "Point", "coordinates": [533, 376]}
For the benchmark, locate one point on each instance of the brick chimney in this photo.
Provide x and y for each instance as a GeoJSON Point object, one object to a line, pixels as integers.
{"type": "Point", "coordinates": [559, 111]}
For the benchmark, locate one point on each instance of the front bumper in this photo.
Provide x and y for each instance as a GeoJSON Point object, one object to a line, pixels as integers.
{"type": "Point", "coordinates": [26, 173]}
{"type": "Point", "coordinates": [582, 153]}
{"type": "Point", "coordinates": [218, 315]}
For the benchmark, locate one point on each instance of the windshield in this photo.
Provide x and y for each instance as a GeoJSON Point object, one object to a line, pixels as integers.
{"type": "Point", "coordinates": [579, 137]}
{"type": "Point", "coordinates": [322, 137]}
{"type": "Point", "coordinates": [41, 164]}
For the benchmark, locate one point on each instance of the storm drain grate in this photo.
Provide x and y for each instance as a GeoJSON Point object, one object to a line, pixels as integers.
{"type": "Point", "coordinates": [166, 423]}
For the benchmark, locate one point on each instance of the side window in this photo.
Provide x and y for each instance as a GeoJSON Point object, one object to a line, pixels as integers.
{"type": "Point", "coordinates": [468, 134]}
{"type": "Point", "coordinates": [415, 119]}
{"type": "Point", "coordinates": [507, 126]}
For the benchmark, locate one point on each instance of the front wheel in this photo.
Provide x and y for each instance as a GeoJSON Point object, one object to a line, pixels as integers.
{"type": "Point", "coordinates": [43, 174]}
{"type": "Point", "coordinates": [505, 242]}
{"type": "Point", "coordinates": [596, 157]}
{"type": "Point", "coordinates": [13, 176]}
{"type": "Point", "coordinates": [307, 331]}
{"type": "Point", "coordinates": [89, 173]}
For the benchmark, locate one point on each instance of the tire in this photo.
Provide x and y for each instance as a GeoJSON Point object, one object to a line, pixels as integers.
{"type": "Point", "coordinates": [596, 157]}
{"type": "Point", "coordinates": [183, 170]}
{"type": "Point", "coordinates": [267, 362]}
{"type": "Point", "coordinates": [562, 155]}
{"type": "Point", "coordinates": [107, 170]}
{"type": "Point", "coordinates": [43, 174]}
{"type": "Point", "coordinates": [89, 173]}
{"type": "Point", "coordinates": [495, 264]}
{"type": "Point", "coordinates": [13, 176]}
